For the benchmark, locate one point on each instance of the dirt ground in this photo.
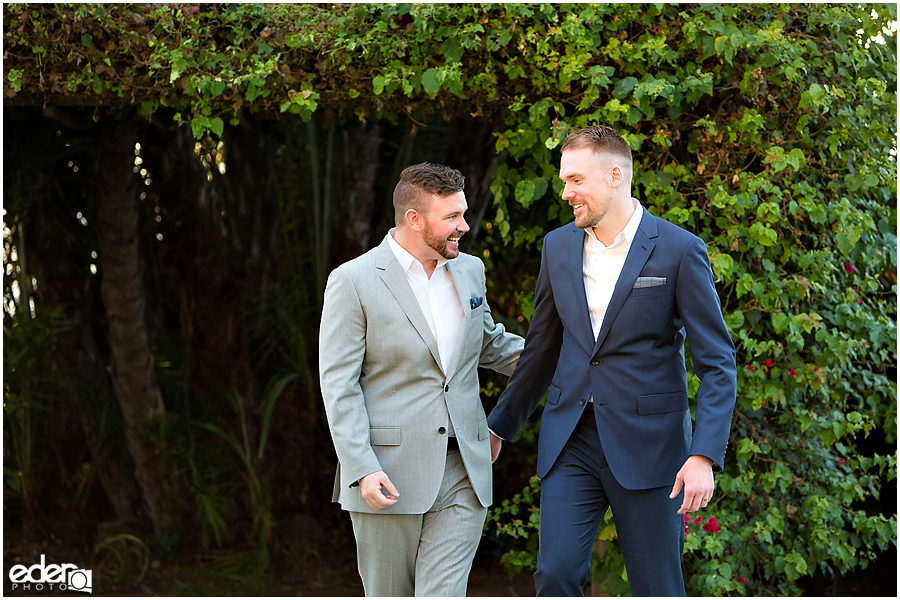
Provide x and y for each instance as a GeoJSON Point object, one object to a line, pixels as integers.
{"type": "Point", "coordinates": [298, 567]}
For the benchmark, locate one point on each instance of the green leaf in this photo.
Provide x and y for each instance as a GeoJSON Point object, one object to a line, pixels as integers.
{"type": "Point", "coordinates": [453, 51]}
{"type": "Point", "coordinates": [431, 81]}
{"type": "Point", "coordinates": [218, 87]}
{"type": "Point", "coordinates": [217, 126]}
{"type": "Point", "coordinates": [525, 192]}
{"type": "Point", "coordinates": [797, 159]}
{"type": "Point", "coordinates": [624, 86]}
{"type": "Point", "coordinates": [199, 126]}
{"type": "Point", "coordinates": [87, 40]}
{"type": "Point", "coordinates": [293, 40]}
{"type": "Point", "coordinates": [723, 266]}
{"type": "Point", "coordinates": [14, 77]}
{"type": "Point", "coordinates": [721, 43]}
{"type": "Point", "coordinates": [378, 84]}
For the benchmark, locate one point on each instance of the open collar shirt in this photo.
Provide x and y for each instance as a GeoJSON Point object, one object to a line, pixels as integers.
{"type": "Point", "coordinates": [603, 264]}
{"type": "Point", "coordinates": [437, 298]}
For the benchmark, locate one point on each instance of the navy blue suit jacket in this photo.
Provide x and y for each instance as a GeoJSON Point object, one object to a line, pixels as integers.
{"type": "Point", "coordinates": [635, 369]}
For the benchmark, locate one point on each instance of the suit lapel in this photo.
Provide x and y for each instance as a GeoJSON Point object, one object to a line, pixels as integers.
{"type": "Point", "coordinates": [576, 267]}
{"type": "Point", "coordinates": [395, 280]}
{"type": "Point", "coordinates": [641, 248]}
{"type": "Point", "coordinates": [462, 290]}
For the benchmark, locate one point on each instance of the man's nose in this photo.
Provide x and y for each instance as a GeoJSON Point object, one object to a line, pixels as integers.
{"type": "Point", "coordinates": [463, 226]}
{"type": "Point", "coordinates": [567, 193]}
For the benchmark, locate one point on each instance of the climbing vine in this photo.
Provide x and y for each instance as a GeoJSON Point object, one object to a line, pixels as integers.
{"type": "Point", "coordinates": [768, 130]}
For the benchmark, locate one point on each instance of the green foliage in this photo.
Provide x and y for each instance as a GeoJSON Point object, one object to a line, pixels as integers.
{"type": "Point", "coordinates": [756, 128]}
{"type": "Point", "coordinates": [769, 130]}
{"type": "Point", "coordinates": [123, 559]}
{"type": "Point", "coordinates": [518, 517]}
{"type": "Point", "coordinates": [31, 389]}
{"type": "Point", "coordinates": [220, 466]}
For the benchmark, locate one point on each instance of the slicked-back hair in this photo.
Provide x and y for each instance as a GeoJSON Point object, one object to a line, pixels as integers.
{"type": "Point", "coordinates": [419, 182]}
{"type": "Point", "coordinates": [600, 139]}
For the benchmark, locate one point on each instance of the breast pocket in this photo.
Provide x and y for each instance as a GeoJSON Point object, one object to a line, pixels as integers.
{"type": "Point", "coordinates": [652, 290]}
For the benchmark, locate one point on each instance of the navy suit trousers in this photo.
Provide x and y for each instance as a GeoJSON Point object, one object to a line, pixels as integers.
{"type": "Point", "coordinates": [575, 495]}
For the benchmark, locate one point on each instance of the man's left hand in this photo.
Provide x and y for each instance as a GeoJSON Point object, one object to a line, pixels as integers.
{"type": "Point", "coordinates": [697, 478]}
{"type": "Point", "coordinates": [496, 443]}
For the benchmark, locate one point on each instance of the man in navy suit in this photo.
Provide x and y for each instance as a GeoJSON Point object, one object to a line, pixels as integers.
{"type": "Point", "coordinates": [618, 292]}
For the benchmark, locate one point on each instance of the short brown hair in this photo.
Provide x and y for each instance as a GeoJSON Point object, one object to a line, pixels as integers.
{"type": "Point", "coordinates": [599, 138]}
{"type": "Point", "coordinates": [419, 182]}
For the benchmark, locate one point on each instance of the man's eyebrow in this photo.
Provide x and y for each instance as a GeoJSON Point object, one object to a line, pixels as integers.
{"type": "Point", "coordinates": [571, 176]}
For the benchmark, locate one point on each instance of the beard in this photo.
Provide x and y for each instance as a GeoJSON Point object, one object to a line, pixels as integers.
{"type": "Point", "coordinates": [591, 216]}
{"type": "Point", "coordinates": [438, 244]}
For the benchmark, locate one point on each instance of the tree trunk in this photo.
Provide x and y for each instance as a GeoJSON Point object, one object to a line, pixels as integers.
{"type": "Point", "coordinates": [63, 281]}
{"type": "Point", "coordinates": [132, 371]}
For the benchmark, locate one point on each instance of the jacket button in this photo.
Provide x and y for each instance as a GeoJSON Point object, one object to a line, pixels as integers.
{"type": "Point", "coordinates": [582, 402]}
{"type": "Point", "coordinates": [446, 388]}
{"type": "Point", "coordinates": [442, 430]}
{"type": "Point", "coordinates": [595, 362]}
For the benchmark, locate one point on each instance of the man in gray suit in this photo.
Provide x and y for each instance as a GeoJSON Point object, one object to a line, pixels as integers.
{"type": "Point", "coordinates": [404, 329]}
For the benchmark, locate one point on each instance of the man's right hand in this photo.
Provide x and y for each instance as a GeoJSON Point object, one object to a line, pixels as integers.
{"type": "Point", "coordinates": [371, 485]}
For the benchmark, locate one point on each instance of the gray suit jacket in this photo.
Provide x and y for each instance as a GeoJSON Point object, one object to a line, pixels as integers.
{"type": "Point", "coordinates": [387, 397]}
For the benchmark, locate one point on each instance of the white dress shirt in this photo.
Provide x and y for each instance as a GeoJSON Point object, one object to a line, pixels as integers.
{"type": "Point", "coordinates": [438, 300]}
{"type": "Point", "coordinates": [603, 264]}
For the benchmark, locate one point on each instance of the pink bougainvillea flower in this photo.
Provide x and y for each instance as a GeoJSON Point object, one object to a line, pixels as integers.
{"type": "Point", "coordinates": [751, 368]}
{"type": "Point", "coordinates": [859, 301]}
{"type": "Point", "coordinates": [698, 520]}
{"type": "Point", "coordinates": [842, 460]}
{"type": "Point", "coordinates": [711, 525]}
{"type": "Point", "coordinates": [768, 362]}
{"type": "Point", "coordinates": [849, 268]}
{"type": "Point", "coordinates": [742, 579]}
{"type": "Point", "coordinates": [765, 405]}
{"type": "Point", "coordinates": [791, 373]}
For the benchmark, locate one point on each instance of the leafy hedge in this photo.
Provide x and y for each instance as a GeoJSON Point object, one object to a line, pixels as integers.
{"type": "Point", "coordinates": [769, 130]}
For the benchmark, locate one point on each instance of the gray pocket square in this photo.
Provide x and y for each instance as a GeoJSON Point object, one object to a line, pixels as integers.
{"type": "Point", "coordinates": [645, 282]}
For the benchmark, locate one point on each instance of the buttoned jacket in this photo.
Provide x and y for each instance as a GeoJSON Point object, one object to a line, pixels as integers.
{"type": "Point", "coordinates": [388, 398]}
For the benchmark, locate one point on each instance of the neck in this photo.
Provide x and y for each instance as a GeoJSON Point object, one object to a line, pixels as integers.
{"type": "Point", "coordinates": [409, 241]}
{"type": "Point", "coordinates": [616, 219]}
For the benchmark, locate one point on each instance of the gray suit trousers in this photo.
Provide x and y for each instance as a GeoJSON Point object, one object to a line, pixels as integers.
{"type": "Point", "coordinates": [427, 554]}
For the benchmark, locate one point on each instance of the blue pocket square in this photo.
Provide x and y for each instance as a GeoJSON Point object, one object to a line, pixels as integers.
{"type": "Point", "coordinates": [476, 302]}
{"type": "Point", "coordinates": [645, 282]}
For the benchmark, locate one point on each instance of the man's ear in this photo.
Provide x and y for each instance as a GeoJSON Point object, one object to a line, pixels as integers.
{"type": "Point", "coordinates": [616, 176]}
{"type": "Point", "coordinates": [413, 219]}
